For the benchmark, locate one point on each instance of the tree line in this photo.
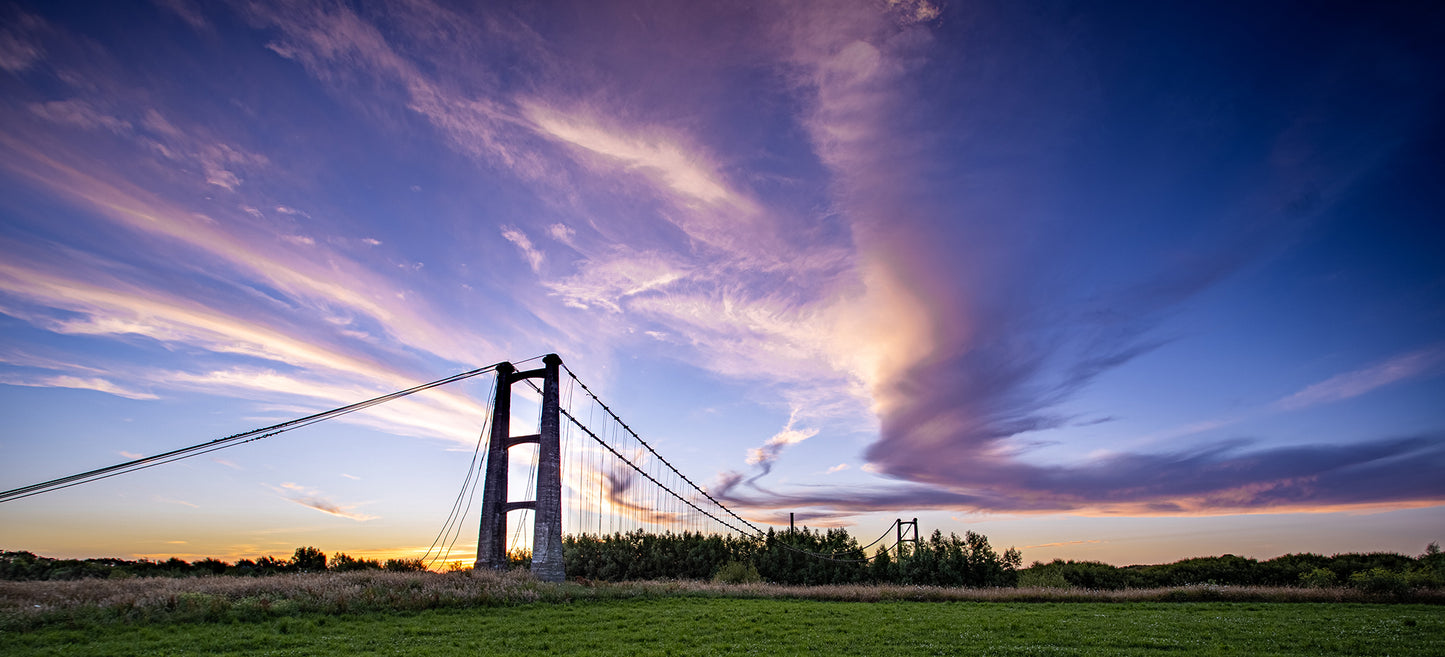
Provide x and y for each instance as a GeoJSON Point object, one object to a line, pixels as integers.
{"type": "Point", "coordinates": [813, 557]}
{"type": "Point", "coordinates": [27, 566]}
{"type": "Point", "coordinates": [1377, 572]}
{"type": "Point", "coordinates": [804, 557]}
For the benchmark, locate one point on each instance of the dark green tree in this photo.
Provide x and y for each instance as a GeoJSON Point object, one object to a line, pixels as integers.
{"type": "Point", "coordinates": [404, 565]}
{"type": "Point", "coordinates": [308, 560]}
{"type": "Point", "coordinates": [342, 562]}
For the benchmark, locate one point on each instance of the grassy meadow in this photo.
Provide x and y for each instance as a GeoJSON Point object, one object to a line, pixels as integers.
{"type": "Point", "coordinates": [463, 613]}
{"type": "Point", "coordinates": [706, 626]}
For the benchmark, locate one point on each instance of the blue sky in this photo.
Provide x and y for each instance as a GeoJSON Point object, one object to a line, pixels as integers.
{"type": "Point", "coordinates": [1132, 283]}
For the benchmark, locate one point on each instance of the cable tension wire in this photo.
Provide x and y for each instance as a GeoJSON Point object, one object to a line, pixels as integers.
{"type": "Point", "coordinates": [222, 443]}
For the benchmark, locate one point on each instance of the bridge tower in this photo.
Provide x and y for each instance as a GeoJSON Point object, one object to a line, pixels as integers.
{"type": "Point", "coordinates": [547, 505]}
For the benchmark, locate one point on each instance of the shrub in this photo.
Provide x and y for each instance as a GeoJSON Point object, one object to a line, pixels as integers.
{"type": "Point", "coordinates": [1043, 576]}
{"type": "Point", "coordinates": [521, 558]}
{"type": "Point", "coordinates": [1319, 578]}
{"type": "Point", "coordinates": [344, 562]}
{"type": "Point", "coordinates": [1092, 575]}
{"type": "Point", "coordinates": [268, 565]}
{"type": "Point", "coordinates": [404, 565]}
{"type": "Point", "coordinates": [737, 572]}
{"type": "Point", "coordinates": [1424, 579]}
{"type": "Point", "coordinates": [211, 566]}
{"type": "Point", "coordinates": [1380, 581]}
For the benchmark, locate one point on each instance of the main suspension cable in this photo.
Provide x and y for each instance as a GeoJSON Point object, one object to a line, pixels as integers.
{"type": "Point", "coordinates": [223, 443]}
{"type": "Point", "coordinates": [630, 464]}
{"type": "Point", "coordinates": [629, 430]}
{"type": "Point", "coordinates": [699, 489]}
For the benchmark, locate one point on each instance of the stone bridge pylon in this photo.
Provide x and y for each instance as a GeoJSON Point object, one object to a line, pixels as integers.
{"type": "Point", "coordinates": [547, 505]}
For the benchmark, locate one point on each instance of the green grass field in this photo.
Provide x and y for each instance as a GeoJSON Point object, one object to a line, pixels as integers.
{"type": "Point", "coordinates": [705, 626]}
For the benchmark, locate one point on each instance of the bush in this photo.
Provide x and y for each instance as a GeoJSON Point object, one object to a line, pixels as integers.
{"type": "Point", "coordinates": [269, 565]}
{"type": "Point", "coordinates": [737, 572]}
{"type": "Point", "coordinates": [211, 566]}
{"type": "Point", "coordinates": [1380, 581]}
{"type": "Point", "coordinates": [522, 558]}
{"type": "Point", "coordinates": [344, 562]}
{"type": "Point", "coordinates": [1424, 579]}
{"type": "Point", "coordinates": [1043, 576]}
{"type": "Point", "coordinates": [404, 565]}
{"type": "Point", "coordinates": [1093, 575]}
{"type": "Point", "coordinates": [1319, 578]}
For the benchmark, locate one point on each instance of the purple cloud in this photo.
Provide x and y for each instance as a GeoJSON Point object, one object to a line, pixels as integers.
{"type": "Point", "coordinates": [1011, 318]}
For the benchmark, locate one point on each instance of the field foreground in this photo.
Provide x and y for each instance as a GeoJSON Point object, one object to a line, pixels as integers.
{"type": "Point", "coordinates": [29, 604]}
{"type": "Point", "coordinates": [429, 613]}
{"type": "Point", "coordinates": [704, 626]}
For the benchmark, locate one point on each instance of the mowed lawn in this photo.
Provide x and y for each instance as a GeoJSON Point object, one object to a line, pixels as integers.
{"type": "Point", "coordinates": [712, 626]}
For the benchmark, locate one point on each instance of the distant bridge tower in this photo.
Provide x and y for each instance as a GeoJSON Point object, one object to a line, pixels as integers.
{"type": "Point", "coordinates": [547, 506]}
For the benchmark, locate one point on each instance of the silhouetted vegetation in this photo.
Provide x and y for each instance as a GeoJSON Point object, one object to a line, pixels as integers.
{"type": "Point", "coordinates": [344, 562]}
{"type": "Point", "coordinates": [805, 557]}
{"type": "Point", "coordinates": [811, 558]}
{"type": "Point", "coordinates": [18, 566]}
{"type": "Point", "coordinates": [404, 565]}
{"type": "Point", "coordinates": [1375, 572]}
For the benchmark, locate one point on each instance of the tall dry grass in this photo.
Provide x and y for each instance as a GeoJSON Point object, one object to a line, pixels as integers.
{"type": "Point", "coordinates": [25, 604]}
{"type": "Point", "coordinates": [201, 599]}
{"type": "Point", "coordinates": [901, 593]}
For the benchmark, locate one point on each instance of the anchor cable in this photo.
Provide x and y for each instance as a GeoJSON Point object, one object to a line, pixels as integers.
{"type": "Point", "coordinates": [223, 443]}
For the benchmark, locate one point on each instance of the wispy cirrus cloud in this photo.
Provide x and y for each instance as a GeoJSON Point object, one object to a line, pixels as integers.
{"type": "Point", "coordinates": [187, 11]}
{"type": "Point", "coordinates": [254, 256]}
{"type": "Point", "coordinates": [436, 414]}
{"type": "Point", "coordinates": [80, 114]}
{"type": "Point", "coordinates": [680, 170]}
{"type": "Point", "coordinates": [341, 48]}
{"type": "Point", "coordinates": [20, 46]}
{"type": "Point", "coordinates": [246, 244]}
{"type": "Point", "coordinates": [706, 289]}
{"type": "Point", "coordinates": [618, 277]}
{"type": "Point", "coordinates": [524, 244]}
{"type": "Point", "coordinates": [180, 502]}
{"type": "Point", "coordinates": [77, 383]}
{"type": "Point", "coordinates": [314, 499]}
{"type": "Point", "coordinates": [1422, 362]}
{"type": "Point", "coordinates": [102, 307]}
{"type": "Point", "coordinates": [764, 456]}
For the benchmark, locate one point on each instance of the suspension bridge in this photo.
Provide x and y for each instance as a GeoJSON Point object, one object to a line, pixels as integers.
{"type": "Point", "coordinates": [591, 474]}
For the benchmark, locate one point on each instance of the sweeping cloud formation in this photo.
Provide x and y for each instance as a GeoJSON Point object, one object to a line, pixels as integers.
{"type": "Point", "coordinates": [316, 500]}
{"type": "Point", "coordinates": [1000, 259]}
